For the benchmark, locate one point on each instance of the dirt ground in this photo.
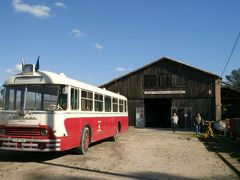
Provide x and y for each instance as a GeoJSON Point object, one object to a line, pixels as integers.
{"type": "Point", "coordinates": [139, 154]}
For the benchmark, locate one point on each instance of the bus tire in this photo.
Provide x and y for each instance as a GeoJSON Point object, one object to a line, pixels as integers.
{"type": "Point", "coordinates": [116, 134]}
{"type": "Point", "coordinates": [84, 142]}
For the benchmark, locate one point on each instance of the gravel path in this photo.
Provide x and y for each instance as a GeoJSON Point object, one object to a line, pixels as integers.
{"type": "Point", "coordinates": [139, 154]}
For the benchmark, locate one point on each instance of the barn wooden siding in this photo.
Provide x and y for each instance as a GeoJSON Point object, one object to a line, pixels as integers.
{"type": "Point", "coordinates": [202, 89]}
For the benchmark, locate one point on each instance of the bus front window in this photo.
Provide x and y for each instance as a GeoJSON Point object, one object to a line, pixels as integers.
{"type": "Point", "coordinates": [31, 97]}
{"type": "Point", "coordinates": [14, 97]}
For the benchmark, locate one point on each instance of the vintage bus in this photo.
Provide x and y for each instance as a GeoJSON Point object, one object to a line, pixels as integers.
{"type": "Point", "coordinates": [44, 111]}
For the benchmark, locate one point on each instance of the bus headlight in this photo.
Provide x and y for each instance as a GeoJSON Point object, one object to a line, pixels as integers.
{"type": "Point", "coordinates": [2, 131]}
{"type": "Point", "coordinates": [44, 132]}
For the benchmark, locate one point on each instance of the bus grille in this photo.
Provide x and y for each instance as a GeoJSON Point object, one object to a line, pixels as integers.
{"type": "Point", "coordinates": [23, 131]}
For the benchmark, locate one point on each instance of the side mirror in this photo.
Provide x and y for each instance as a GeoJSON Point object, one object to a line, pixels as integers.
{"type": "Point", "coordinates": [65, 90]}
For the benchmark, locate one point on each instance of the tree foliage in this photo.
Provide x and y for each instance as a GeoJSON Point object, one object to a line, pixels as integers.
{"type": "Point", "coordinates": [234, 78]}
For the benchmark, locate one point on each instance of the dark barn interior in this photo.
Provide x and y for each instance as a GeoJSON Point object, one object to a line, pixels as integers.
{"type": "Point", "coordinates": [158, 113]}
{"type": "Point", "coordinates": [230, 101]}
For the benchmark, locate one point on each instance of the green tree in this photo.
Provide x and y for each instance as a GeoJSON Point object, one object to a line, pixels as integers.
{"type": "Point", "coordinates": [234, 78]}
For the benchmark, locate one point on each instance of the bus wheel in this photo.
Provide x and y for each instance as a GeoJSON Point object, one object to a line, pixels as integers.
{"type": "Point", "coordinates": [116, 135]}
{"type": "Point", "coordinates": [84, 143]}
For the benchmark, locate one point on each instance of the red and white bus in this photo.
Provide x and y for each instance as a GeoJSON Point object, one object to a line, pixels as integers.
{"type": "Point", "coordinates": [45, 111]}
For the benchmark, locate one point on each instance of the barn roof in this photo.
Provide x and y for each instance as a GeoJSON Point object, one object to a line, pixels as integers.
{"type": "Point", "coordinates": [157, 61]}
{"type": "Point", "coordinates": [230, 94]}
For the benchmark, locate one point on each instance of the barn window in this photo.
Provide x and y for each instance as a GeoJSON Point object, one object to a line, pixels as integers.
{"type": "Point", "coordinates": [150, 81]}
{"type": "Point", "coordinates": [179, 81]}
{"type": "Point", "coordinates": [165, 81]}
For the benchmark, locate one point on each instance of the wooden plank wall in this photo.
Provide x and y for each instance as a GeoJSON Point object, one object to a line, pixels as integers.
{"type": "Point", "coordinates": [200, 88]}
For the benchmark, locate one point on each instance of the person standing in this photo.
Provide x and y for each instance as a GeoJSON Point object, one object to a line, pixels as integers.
{"type": "Point", "coordinates": [197, 123]}
{"type": "Point", "coordinates": [174, 120]}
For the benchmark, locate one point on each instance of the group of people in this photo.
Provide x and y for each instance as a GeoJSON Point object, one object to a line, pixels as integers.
{"type": "Point", "coordinates": [198, 122]}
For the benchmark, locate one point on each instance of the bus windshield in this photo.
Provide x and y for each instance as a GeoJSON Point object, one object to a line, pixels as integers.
{"type": "Point", "coordinates": [32, 97]}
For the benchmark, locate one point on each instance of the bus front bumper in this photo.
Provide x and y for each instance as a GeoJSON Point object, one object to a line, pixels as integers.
{"type": "Point", "coordinates": [25, 144]}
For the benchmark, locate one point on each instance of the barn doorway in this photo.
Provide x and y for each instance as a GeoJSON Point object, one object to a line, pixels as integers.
{"type": "Point", "coordinates": [158, 113]}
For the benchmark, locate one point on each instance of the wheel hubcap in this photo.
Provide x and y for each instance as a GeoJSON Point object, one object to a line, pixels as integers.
{"type": "Point", "coordinates": [86, 141]}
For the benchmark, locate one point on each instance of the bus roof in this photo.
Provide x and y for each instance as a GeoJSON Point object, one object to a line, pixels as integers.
{"type": "Point", "coordinates": [45, 77]}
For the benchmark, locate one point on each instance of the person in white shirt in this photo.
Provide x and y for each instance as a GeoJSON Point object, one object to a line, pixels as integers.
{"type": "Point", "coordinates": [174, 120]}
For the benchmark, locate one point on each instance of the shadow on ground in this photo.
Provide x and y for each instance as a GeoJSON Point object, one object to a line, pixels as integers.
{"type": "Point", "coordinates": [21, 156]}
{"type": "Point", "coordinates": [221, 144]}
{"type": "Point", "coordinates": [146, 175]}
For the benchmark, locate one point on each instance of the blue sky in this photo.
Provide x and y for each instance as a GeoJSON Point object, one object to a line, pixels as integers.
{"type": "Point", "coordinates": [95, 41]}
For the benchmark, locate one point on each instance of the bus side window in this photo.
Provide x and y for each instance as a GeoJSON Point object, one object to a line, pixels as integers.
{"type": "Point", "coordinates": [98, 101]}
{"type": "Point", "coordinates": [125, 106]}
{"type": "Point", "coordinates": [120, 105]}
{"type": "Point", "coordinates": [108, 104]}
{"type": "Point", "coordinates": [62, 100]}
{"type": "Point", "coordinates": [115, 105]}
{"type": "Point", "coordinates": [86, 101]}
{"type": "Point", "coordinates": [74, 99]}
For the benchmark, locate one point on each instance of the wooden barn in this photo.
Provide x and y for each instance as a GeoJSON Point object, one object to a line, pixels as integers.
{"type": "Point", "coordinates": [162, 87]}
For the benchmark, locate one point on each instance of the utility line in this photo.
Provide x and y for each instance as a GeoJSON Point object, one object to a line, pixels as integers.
{"type": "Point", "coordinates": [230, 55]}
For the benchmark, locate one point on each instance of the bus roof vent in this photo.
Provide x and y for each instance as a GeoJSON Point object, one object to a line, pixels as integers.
{"type": "Point", "coordinates": [28, 68]}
